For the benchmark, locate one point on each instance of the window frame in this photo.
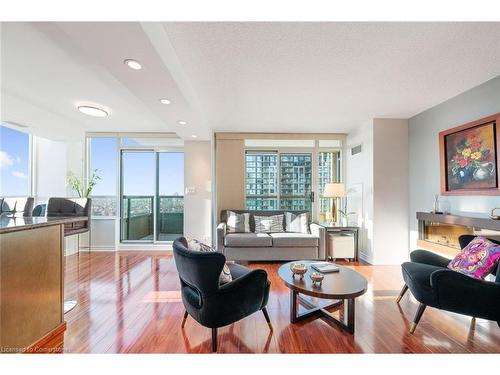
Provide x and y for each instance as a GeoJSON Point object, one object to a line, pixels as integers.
{"type": "Point", "coordinates": [314, 151]}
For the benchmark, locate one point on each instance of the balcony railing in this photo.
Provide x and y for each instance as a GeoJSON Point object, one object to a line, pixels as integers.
{"type": "Point", "coordinates": [138, 217]}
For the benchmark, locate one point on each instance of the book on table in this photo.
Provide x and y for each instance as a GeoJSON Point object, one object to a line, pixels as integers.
{"type": "Point", "coordinates": [325, 267]}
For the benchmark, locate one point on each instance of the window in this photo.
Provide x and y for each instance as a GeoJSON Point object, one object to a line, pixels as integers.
{"type": "Point", "coordinates": [329, 171]}
{"type": "Point", "coordinates": [261, 181]}
{"type": "Point", "coordinates": [103, 157]}
{"type": "Point", "coordinates": [265, 190]}
{"type": "Point", "coordinates": [285, 180]}
{"type": "Point", "coordinates": [14, 162]}
{"type": "Point", "coordinates": [295, 181]}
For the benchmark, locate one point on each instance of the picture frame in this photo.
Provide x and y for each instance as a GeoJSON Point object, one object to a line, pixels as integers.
{"type": "Point", "coordinates": [470, 159]}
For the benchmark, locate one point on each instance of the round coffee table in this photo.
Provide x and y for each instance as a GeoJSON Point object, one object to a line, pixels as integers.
{"type": "Point", "coordinates": [346, 284]}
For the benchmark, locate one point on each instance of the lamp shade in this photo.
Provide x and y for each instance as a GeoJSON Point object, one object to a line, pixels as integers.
{"type": "Point", "coordinates": [336, 190]}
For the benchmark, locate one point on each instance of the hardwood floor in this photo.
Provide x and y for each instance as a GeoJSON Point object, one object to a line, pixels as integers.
{"type": "Point", "coordinates": [129, 302]}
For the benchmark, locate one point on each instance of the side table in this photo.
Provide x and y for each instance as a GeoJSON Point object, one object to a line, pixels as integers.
{"type": "Point", "coordinates": [347, 229]}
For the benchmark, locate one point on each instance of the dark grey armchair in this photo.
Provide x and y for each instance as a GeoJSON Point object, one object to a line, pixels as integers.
{"type": "Point", "coordinates": [433, 284]}
{"type": "Point", "coordinates": [66, 207]}
{"type": "Point", "coordinates": [16, 205]}
{"type": "Point", "coordinates": [213, 305]}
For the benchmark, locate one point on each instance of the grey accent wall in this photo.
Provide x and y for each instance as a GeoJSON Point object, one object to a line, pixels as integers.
{"type": "Point", "coordinates": [424, 178]}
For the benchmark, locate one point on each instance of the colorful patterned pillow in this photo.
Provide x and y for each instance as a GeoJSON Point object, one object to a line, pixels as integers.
{"type": "Point", "coordinates": [477, 259]}
{"type": "Point", "coordinates": [225, 275]}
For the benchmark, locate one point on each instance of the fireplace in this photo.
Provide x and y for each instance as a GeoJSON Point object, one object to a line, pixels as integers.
{"type": "Point", "coordinates": [440, 233]}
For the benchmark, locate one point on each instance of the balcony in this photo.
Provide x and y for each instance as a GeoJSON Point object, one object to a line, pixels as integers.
{"type": "Point", "coordinates": [137, 222]}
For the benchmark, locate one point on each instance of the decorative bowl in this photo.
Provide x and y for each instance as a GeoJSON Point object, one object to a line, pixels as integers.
{"type": "Point", "coordinates": [298, 269]}
{"type": "Point", "coordinates": [317, 278]}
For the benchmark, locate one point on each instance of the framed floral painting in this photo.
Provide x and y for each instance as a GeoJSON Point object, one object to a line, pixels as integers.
{"type": "Point", "coordinates": [470, 158]}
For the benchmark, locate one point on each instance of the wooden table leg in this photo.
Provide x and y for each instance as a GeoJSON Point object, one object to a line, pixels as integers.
{"type": "Point", "coordinates": [294, 306]}
{"type": "Point", "coordinates": [350, 315]}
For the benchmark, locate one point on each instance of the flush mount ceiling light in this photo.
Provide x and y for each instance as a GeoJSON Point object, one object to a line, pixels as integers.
{"type": "Point", "coordinates": [92, 111]}
{"type": "Point", "coordinates": [182, 122]}
{"type": "Point", "coordinates": [133, 64]}
{"type": "Point", "coordinates": [165, 101]}
{"type": "Point", "coordinates": [194, 136]}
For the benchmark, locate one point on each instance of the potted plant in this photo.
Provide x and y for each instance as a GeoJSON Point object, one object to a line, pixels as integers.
{"type": "Point", "coordinates": [78, 184]}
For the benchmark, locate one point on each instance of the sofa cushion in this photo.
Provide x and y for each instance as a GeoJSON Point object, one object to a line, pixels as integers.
{"type": "Point", "coordinates": [238, 223]}
{"type": "Point", "coordinates": [248, 240]}
{"type": "Point", "coordinates": [296, 223]}
{"type": "Point", "coordinates": [294, 239]}
{"type": "Point", "coordinates": [477, 259]}
{"type": "Point", "coordinates": [268, 224]}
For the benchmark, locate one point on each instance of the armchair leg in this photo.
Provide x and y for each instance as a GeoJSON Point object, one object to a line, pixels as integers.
{"type": "Point", "coordinates": [402, 293]}
{"type": "Point", "coordinates": [266, 315]}
{"type": "Point", "coordinates": [184, 319]}
{"type": "Point", "coordinates": [418, 315]}
{"type": "Point", "coordinates": [214, 339]}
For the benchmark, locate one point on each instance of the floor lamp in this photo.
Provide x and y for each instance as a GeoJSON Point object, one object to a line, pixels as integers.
{"type": "Point", "coordinates": [334, 191]}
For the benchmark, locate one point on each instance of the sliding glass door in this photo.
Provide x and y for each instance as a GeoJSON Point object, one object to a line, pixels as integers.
{"type": "Point", "coordinates": [152, 202]}
{"type": "Point", "coordinates": [170, 217]}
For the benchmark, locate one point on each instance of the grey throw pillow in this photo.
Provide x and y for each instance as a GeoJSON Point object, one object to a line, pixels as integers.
{"type": "Point", "coordinates": [296, 223]}
{"type": "Point", "coordinates": [268, 224]}
{"type": "Point", "coordinates": [238, 223]}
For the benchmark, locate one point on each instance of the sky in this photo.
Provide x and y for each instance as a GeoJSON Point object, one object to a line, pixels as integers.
{"type": "Point", "coordinates": [139, 167]}
{"type": "Point", "coordinates": [14, 162]}
{"type": "Point", "coordinates": [138, 170]}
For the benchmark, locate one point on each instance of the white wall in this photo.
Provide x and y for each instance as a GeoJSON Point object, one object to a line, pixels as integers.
{"type": "Point", "coordinates": [53, 160]}
{"type": "Point", "coordinates": [198, 190]}
{"type": "Point", "coordinates": [50, 169]}
{"type": "Point", "coordinates": [390, 187]}
{"type": "Point", "coordinates": [382, 169]}
{"type": "Point", "coordinates": [359, 170]}
{"type": "Point", "coordinates": [424, 177]}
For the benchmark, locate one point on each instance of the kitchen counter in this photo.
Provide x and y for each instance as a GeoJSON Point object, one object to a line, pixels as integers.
{"type": "Point", "coordinates": [32, 283]}
{"type": "Point", "coordinates": [12, 223]}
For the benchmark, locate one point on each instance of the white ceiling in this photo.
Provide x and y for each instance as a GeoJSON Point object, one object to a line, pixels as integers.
{"type": "Point", "coordinates": [269, 77]}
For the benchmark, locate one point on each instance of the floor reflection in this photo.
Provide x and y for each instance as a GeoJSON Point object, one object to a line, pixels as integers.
{"type": "Point", "coordinates": [130, 302]}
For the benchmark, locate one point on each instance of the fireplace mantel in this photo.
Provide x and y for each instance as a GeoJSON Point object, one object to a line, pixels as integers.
{"type": "Point", "coordinates": [439, 232]}
{"type": "Point", "coordinates": [477, 222]}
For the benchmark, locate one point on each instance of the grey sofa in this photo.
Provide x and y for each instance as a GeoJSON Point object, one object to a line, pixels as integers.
{"type": "Point", "coordinates": [270, 246]}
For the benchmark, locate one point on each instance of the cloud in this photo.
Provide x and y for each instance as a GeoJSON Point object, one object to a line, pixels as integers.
{"type": "Point", "coordinates": [19, 174]}
{"type": "Point", "coordinates": [6, 160]}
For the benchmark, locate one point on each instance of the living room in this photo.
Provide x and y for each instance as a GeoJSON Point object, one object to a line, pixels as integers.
{"type": "Point", "coordinates": [203, 187]}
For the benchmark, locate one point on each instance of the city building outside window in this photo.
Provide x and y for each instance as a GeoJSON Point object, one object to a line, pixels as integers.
{"type": "Point", "coordinates": [284, 180]}
{"type": "Point", "coordinates": [261, 181]}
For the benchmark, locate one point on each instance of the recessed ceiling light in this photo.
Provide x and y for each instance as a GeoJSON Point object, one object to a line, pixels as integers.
{"type": "Point", "coordinates": [182, 122]}
{"type": "Point", "coordinates": [133, 64]}
{"type": "Point", "coordinates": [194, 136]}
{"type": "Point", "coordinates": [165, 101]}
{"type": "Point", "coordinates": [92, 111]}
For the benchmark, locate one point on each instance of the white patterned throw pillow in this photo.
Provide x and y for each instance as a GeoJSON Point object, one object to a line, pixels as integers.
{"type": "Point", "coordinates": [238, 223]}
{"type": "Point", "coordinates": [268, 224]}
{"type": "Point", "coordinates": [296, 223]}
{"type": "Point", "coordinates": [225, 275]}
